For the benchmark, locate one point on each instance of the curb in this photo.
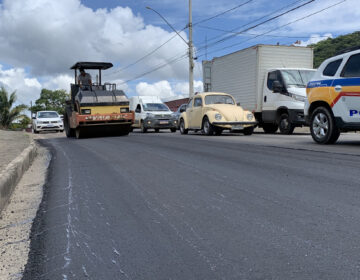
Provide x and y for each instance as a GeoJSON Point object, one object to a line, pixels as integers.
{"type": "Point", "coordinates": [12, 174]}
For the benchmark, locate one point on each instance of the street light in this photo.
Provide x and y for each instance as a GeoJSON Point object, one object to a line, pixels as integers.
{"type": "Point", "coordinates": [189, 44]}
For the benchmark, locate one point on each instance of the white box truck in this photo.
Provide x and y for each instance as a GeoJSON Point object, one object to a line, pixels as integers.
{"type": "Point", "coordinates": [268, 80]}
{"type": "Point", "coordinates": [152, 113]}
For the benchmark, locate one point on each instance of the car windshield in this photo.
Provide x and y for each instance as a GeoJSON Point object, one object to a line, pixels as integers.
{"type": "Point", "coordinates": [219, 99]}
{"type": "Point", "coordinates": [155, 107]}
{"type": "Point", "coordinates": [297, 78]}
{"type": "Point", "coordinates": [43, 115]}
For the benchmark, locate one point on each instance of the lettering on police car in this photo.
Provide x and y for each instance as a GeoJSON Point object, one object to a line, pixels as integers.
{"type": "Point", "coordinates": [354, 112]}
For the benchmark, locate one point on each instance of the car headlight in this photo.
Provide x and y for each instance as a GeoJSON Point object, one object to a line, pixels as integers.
{"type": "Point", "coordinates": [298, 97]}
{"type": "Point", "coordinates": [218, 117]}
{"type": "Point", "coordinates": [249, 116]}
{"type": "Point", "coordinates": [149, 115]}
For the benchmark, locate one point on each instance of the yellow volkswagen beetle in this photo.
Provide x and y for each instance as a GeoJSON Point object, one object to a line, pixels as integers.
{"type": "Point", "coordinates": [213, 112]}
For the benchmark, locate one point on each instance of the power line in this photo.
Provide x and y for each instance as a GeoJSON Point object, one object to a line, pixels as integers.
{"type": "Point", "coordinates": [253, 34]}
{"type": "Point", "coordinates": [222, 13]}
{"type": "Point", "coordinates": [178, 58]}
{"type": "Point", "coordinates": [257, 25]}
{"type": "Point", "coordinates": [158, 67]}
{"type": "Point", "coordinates": [258, 19]}
{"type": "Point", "coordinates": [172, 37]}
{"type": "Point", "coordinates": [147, 55]}
{"type": "Point", "coordinates": [263, 34]}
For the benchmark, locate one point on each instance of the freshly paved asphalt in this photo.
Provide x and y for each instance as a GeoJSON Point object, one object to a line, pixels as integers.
{"type": "Point", "coordinates": [168, 206]}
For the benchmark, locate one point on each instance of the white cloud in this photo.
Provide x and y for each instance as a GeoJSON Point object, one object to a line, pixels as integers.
{"type": "Point", "coordinates": [166, 90]}
{"type": "Point", "coordinates": [50, 36]}
{"type": "Point", "coordinates": [162, 89]}
{"type": "Point", "coordinates": [59, 82]}
{"type": "Point", "coordinates": [16, 79]}
{"type": "Point", "coordinates": [340, 19]}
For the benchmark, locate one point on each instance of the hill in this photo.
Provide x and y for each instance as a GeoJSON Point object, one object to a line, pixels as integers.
{"type": "Point", "coordinates": [328, 48]}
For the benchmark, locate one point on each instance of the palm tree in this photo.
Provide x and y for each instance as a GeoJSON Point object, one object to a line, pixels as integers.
{"type": "Point", "coordinates": [7, 113]}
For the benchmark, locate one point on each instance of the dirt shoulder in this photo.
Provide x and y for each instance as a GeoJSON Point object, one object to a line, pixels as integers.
{"type": "Point", "coordinates": [16, 219]}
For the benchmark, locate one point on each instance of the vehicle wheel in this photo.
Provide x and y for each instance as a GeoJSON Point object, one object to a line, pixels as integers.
{"type": "Point", "coordinates": [61, 131]}
{"type": "Point", "coordinates": [157, 130]}
{"type": "Point", "coordinates": [35, 131]}
{"type": "Point", "coordinates": [248, 130]}
{"type": "Point", "coordinates": [70, 132]}
{"type": "Point", "coordinates": [270, 127]}
{"type": "Point", "coordinates": [218, 131]}
{"type": "Point", "coordinates": [322, 126]}
{"type": "Point", "coordinates": [173, 129]}
{"type": "Point", "coordinates": [142, 127]}
{"type": "Point", "coordinates": [207, 127]}
{"type": "Point", "coordinates": [285, 126]}
{"type": "Point", "coordinates": [182, 127]}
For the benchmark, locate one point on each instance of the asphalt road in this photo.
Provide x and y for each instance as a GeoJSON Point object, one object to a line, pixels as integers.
{"type": "Point", "coordinates": [168, 206]}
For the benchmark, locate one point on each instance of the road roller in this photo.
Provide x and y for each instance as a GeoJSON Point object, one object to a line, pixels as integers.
{"type": "Point", "coordinates": [96, 108]}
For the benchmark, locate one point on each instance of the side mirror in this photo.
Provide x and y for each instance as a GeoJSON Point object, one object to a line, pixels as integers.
{"type": "Point", "coordinates": [33, 117]}
{"type": "Point", "coordinates": [277, 87]}
{"type": "Point", "coordinates": [183, 109]}
{"type": "Point", "coordinates": [138, 110]}
{"type": "Point", "coordinates": [238, 104]}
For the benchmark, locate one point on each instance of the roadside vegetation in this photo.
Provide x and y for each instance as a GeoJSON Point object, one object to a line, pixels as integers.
{"type": "Point", "coordinates": [51, 100]}
{"type": "Point", "coordinates": [11, 116]}
{"type": "Point", "coordinates": [328, 48]}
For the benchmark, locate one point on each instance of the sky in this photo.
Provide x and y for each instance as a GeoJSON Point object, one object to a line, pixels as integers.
{"type": "Point", "coordinates": [41, 39]}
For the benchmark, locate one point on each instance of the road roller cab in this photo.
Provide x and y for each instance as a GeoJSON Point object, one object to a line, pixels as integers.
{"type": "Point", "coordinates": [96, 108]}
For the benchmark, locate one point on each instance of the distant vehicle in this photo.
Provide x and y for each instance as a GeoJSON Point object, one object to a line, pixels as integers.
{"type": "Point", "coordinates": [213, 112]}
{"type": "Point", "coordinates": [177, 114]}
{"type": "Point", "coordinates": [267, 80]}
{"type": "Point", "coordinates": [152, 113]}
{"type": "Point", "coordinates": [333, 97]}
{"type": "Point", "coordinates": [47, 121]}
{"type": "Point", "coordinates": [97, 109]}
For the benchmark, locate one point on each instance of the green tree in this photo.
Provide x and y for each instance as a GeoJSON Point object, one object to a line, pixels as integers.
{"type": "Point", "coordinates": [51, 100]}
{"type": "Point", "coordinates": [8, 114]}
{"type": "Point", "coordinates": [329, 47]}
{"type": "Point", "coordinates": [22, 124]}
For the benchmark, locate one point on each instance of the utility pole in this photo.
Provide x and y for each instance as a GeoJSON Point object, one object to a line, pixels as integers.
{"type": "Point", "coordinates": [191, 55]}
{"type": "Point", "coordinates": [189, 44]}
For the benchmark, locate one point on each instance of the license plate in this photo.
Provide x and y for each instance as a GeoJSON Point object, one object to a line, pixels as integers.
{"type": "Point", "coordinates": [49, 125]}
{"type": "Point", "coordinates": [237, 127]}
{"type": "Point", "coordinates": [164, 122]}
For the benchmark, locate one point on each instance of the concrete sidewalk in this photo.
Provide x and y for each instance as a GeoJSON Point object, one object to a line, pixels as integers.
{"type": "Point", "coordinates": [17, 150]}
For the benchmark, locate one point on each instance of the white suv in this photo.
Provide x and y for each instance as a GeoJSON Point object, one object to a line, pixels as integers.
{"type": "Point", "coordinates": [47, 121]}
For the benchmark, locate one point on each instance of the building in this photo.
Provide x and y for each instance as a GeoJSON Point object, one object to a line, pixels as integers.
{"type": "Point", "coordinates": [175, 104]}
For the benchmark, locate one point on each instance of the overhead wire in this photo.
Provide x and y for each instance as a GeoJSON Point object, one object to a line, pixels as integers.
{"type": "Point", "coordinates": [275, 29]}
{"type": "Point", "coordinates": [256, 25]}
{"type": "Point", "coordinates": [178, 58]}
{"type": "Point", "coordinates": [253, 34]}
{"type": "Point", "coordinates": [222, 13]}
{"type": "Point", "coordinates": [256, 20]}
{"type": "Point", "coordinates": [175, 59]}
{"type": "Point", "coordinates": [172, 37]}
